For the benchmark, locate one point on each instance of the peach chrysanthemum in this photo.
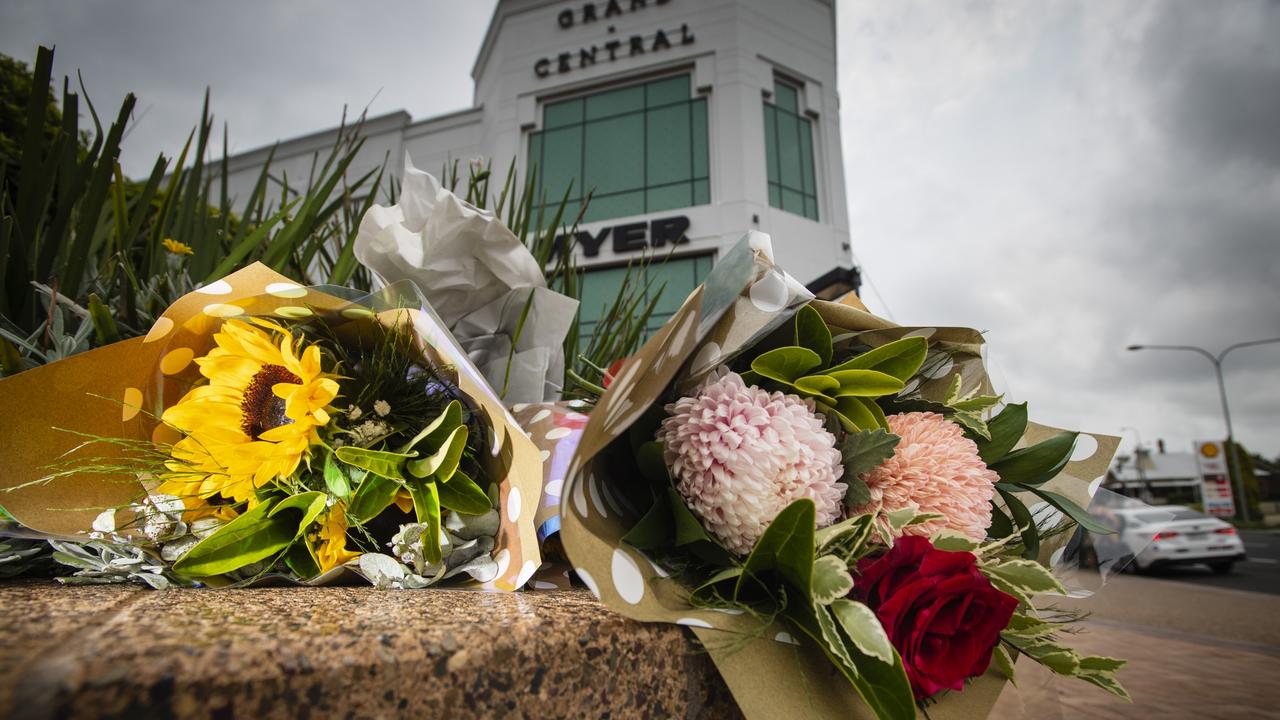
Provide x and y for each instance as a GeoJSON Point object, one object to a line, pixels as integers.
{"type": "Point", "coordinates": [934, 469]}
{"type": "Point", "coordinates": [740, 455]}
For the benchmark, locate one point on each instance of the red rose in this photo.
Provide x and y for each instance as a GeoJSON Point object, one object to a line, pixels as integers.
{"type": "Point", "coordinates": [939, 611]}
{"type": "Point", "coordinates": [612, 372]}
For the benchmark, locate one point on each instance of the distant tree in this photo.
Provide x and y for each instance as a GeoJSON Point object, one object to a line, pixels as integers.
{"type": "Point", "coordinates": [16, 79]}
{"type": "Point", "coordinates": [1249, 480]}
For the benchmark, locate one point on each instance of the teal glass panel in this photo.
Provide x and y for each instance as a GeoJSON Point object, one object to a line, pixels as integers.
{"type": "Point", "coordinates": [612, 206]}
{"type": "Point", "coordinates": [535, 153]}
{"type": "Point", "coordinates": [667, 197]}
{"type": "Point", "coordinates": [810, 207]}
{"type": "Point", "coordinates": [806, 157]}
{"type": "Point", "coordinates": [775, 196]}
{"type": "Point", "coordinates": [667, 145]}
{"type": "Point", "coordinates": [701, 154]}
{"type": "Point", "coordinates": [701, 192]}
{"type": "Point", "coordinates": [792, 201]}
{"type": "Point", "coordinates": [567, 216]}
{"type": "Point", "coordinates": [667, 90]}
{"type": "Point", "coordinates": [786, 97]}
{"type": "Point", "coordinates": [789, 150]}
{"type": "Point", "coordinates": [598, 291]}
{"type": "Point", "coordinates": [771, 142]}
{"type": "Point", "coordinates": [563, 113]}
{"type": "Point", "coordinates": [614, 155]}
{"type": "Point", "coordinates": [561, 162]}
{"type": "Point", "coordinates": [615, 102]}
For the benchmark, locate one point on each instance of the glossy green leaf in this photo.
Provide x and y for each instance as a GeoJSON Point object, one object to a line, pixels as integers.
{"type": "Point", "coordinates": [812, 333]}
{"type": "Point", "coordinates": [439, 428]}
{"type": "Point", "coordinates": [854, 415]}
{"type": "Point", "coordinates": [373, 495]}
{"type": "Point", "coordinates": [900, 358]}
{"type": "Point", "coordinates": [824, 385]}
{"type": "Point", "coordinates": [655, 528]}
{"type": "Point", "coordinates": [252, 536]}
{"type": "Point", "coordinates": [335, 478]}
{"type": "Point", "coordinates": [426, 505]}
{"type": "Point", "coordinates": [443, 462]}
{"type": "Point", "coordinates": [786, 364]}
{"type": "Point", "coordinates": [1006, 430]}
{"type": "Point", "coordinates": [786, 547]}
{"type": "Point", "coordinates": [1001, 526]}
{"type": "Point", "coordinates": [308, 504]}
{"type": "Point", "coordinates": [301, 560]}
{"type": "Point", "coordinates": [462, 494]}
{"type": "Point", "coordinates": [1073, 511]}
{"type": "Point", "coordinates": [383, 463]}
{"type": "Point", "coordinates": [865, 383]}
{"type": "Point", "coordinates": [1039, 463]}
{"type": "Point", "coordinates": [862, 626]}
{"type": "Point", "coordinates": [1027, 575]}
{"type": "Point", "coordinates": [1023, 523]}
{"type": "Point", "coordinates": [1003, 662]}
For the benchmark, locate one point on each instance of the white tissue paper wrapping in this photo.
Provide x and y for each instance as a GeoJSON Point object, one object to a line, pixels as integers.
{"type": "Point", "coordinates": [478, 276]}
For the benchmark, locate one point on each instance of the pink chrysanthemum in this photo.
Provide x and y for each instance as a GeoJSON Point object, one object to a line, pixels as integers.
{"type": "Point", "coordinates": [934, 469]}
{"type": "Point", "coordinates": [741, 455]}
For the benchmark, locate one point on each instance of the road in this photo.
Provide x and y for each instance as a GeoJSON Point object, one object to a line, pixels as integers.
{"type": "Point", "coordinates": [1260, 573]}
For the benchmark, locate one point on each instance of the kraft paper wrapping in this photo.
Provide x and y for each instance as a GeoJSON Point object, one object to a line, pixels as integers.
{"type": "Point", "coordinates": [120, 390]}
{"type": "Point", "coordinates": [771, 673]}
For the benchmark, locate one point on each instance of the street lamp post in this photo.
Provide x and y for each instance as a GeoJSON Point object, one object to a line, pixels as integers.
{"type": "Point", "coordinates": [1237, 481]}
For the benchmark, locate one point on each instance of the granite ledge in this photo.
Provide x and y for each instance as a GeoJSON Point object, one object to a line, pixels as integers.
{"type": "Point", "coordinates": [117, 651]}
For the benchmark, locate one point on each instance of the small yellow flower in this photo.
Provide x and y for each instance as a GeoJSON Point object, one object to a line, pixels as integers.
{"type": "Point", "coordinates": [331, 548]}
{"type": "Point", "coordinates": [175, 247]}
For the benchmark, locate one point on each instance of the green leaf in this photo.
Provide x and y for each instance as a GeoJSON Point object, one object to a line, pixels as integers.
{"type": "Point", "coordinates": [1101, 664]}
{"type": "Point", "coordinates": [823, 385]}
{"type": "Point", "coordinates": [900, 358]}
{"type": "Point", "coordinates": [865, 383]}
{"type": "Point", "coordinates": [383, 463]}
{"type": "Point", "coordinates": [954, 543]}
{"type": "Point", "coordinates": [426, 505]}
{"type": "Point", "coordinates": [438, 429]}
{"type": "Point", "coordinates": [462, 494]}
{"type": "Point", "coordinates": [302, 560]}
{"type": "Point", "coordinates": [1104, 681]}
{"type": "Point", "coordinates": [310, 504]}
{"type": "Point", "coordinates": [652, 464]}
{"type": "Point", "coordinates": [1001, 526]}
{"type": "Point", "coordinates": [372, 496]}
{"type": "Point", "coordinates": [850, 530]}
{"type": "Point", "coordinates": [832, 639]}
{"type": "Point", "coordinates": [831, 580]}
{"type": "Point", "coordinates": [812, 333]}
{"type": "Point", "coordinates": [250, 537]}
{"type": "Point", "coordinates": [857, 493]}
{"type": "Point", "coordinates": [854, 415]}
{"type": "Point", "coordinates": [1027, 575]}
{"type": "Point", "coordinates": [1003, 663]}
{"type": "Point", "coordinates": [786, 547]}
{"type": "Point", "coordinates": [786, 364]}
{"type": "Point", "coordinates": [707, 591]}
{"type": "Point", "coordinates": [443, 462]}
{"type": "Point", "coordinates": [655, 528]}
{"type": "Point", "coordinates": [1073, 511]}
{"type": "Point", "coordinates": [335, 479]}
{"type": "Point", "coordinates": [864, 629]}
{"type": "Point", "coordinates": [1006, 430]}
{"type": "Point", "coordinates": [1039, 463]}
{"type": "Point", "coordinates": [1025, 524]}
{"type": "Point", "coordinates": [864, 451]}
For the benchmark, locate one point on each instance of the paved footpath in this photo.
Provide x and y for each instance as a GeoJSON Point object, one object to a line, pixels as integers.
{"type": "Point", "coordinates": [1193, 652]}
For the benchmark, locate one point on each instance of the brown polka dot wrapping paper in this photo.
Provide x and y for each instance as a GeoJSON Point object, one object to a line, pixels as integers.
{"type": "Point", "coordinates": [771, 672]}
{"type": "Point", "coordinates": [119, 391]}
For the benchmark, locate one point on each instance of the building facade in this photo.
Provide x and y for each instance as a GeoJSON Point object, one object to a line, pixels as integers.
{"type": "Point", "coordinates": [688, 122]}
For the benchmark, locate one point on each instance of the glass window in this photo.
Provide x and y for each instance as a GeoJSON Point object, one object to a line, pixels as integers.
{"type": "Point", "coordinates": [636, 149]}
{"type": "Point", "coordinates": [674, 279]}
{"type": "Point", "coordinates": [788, 153]}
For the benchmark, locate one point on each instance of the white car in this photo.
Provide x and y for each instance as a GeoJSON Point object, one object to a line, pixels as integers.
{"type": "Point", "coordinates": [1188, 537]}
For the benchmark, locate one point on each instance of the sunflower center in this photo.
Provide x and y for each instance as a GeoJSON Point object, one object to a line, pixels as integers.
{"type": "Point", "coordinates": [261, 409]}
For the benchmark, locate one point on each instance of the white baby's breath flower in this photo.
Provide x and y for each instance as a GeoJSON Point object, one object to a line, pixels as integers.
{"type": "Point", "coordinates": [382, 408]}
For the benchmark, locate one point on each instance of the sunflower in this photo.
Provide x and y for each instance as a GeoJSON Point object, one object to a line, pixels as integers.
{"type": "Point", "coordinates": [256, 417]}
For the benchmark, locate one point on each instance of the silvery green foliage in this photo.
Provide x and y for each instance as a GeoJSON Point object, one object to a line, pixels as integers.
{"type": "Point", "coordinates": [466, 546]}
{"type": "Point", "coordinates": [52, 341]}
{"type": "Point", "coordinates": [100, 562]}
{"type": "Point", "coordinates": [19, 556]}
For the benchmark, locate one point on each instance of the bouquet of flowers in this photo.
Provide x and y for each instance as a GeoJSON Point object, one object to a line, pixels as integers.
{"type": "Point", "coordinates": [265, 429]}
{"type": "Point", "coordinates": [835, 505]}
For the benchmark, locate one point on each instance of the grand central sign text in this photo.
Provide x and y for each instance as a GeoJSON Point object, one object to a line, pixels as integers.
{"type": "Point", "coordinates": [613, 48]}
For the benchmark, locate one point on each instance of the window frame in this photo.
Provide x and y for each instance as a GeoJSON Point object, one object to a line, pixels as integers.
{"type": "Point", "coordinates": [802, 119]}
{"type": "Point", "coordinates": [698, 181]}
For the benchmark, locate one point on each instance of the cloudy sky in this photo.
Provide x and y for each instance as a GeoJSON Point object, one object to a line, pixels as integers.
{"type": "Point", "coordinates": [1070, 177]}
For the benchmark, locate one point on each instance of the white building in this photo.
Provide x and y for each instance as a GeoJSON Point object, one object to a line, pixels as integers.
{"type": "Point", "coordinates": [691, 121]}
